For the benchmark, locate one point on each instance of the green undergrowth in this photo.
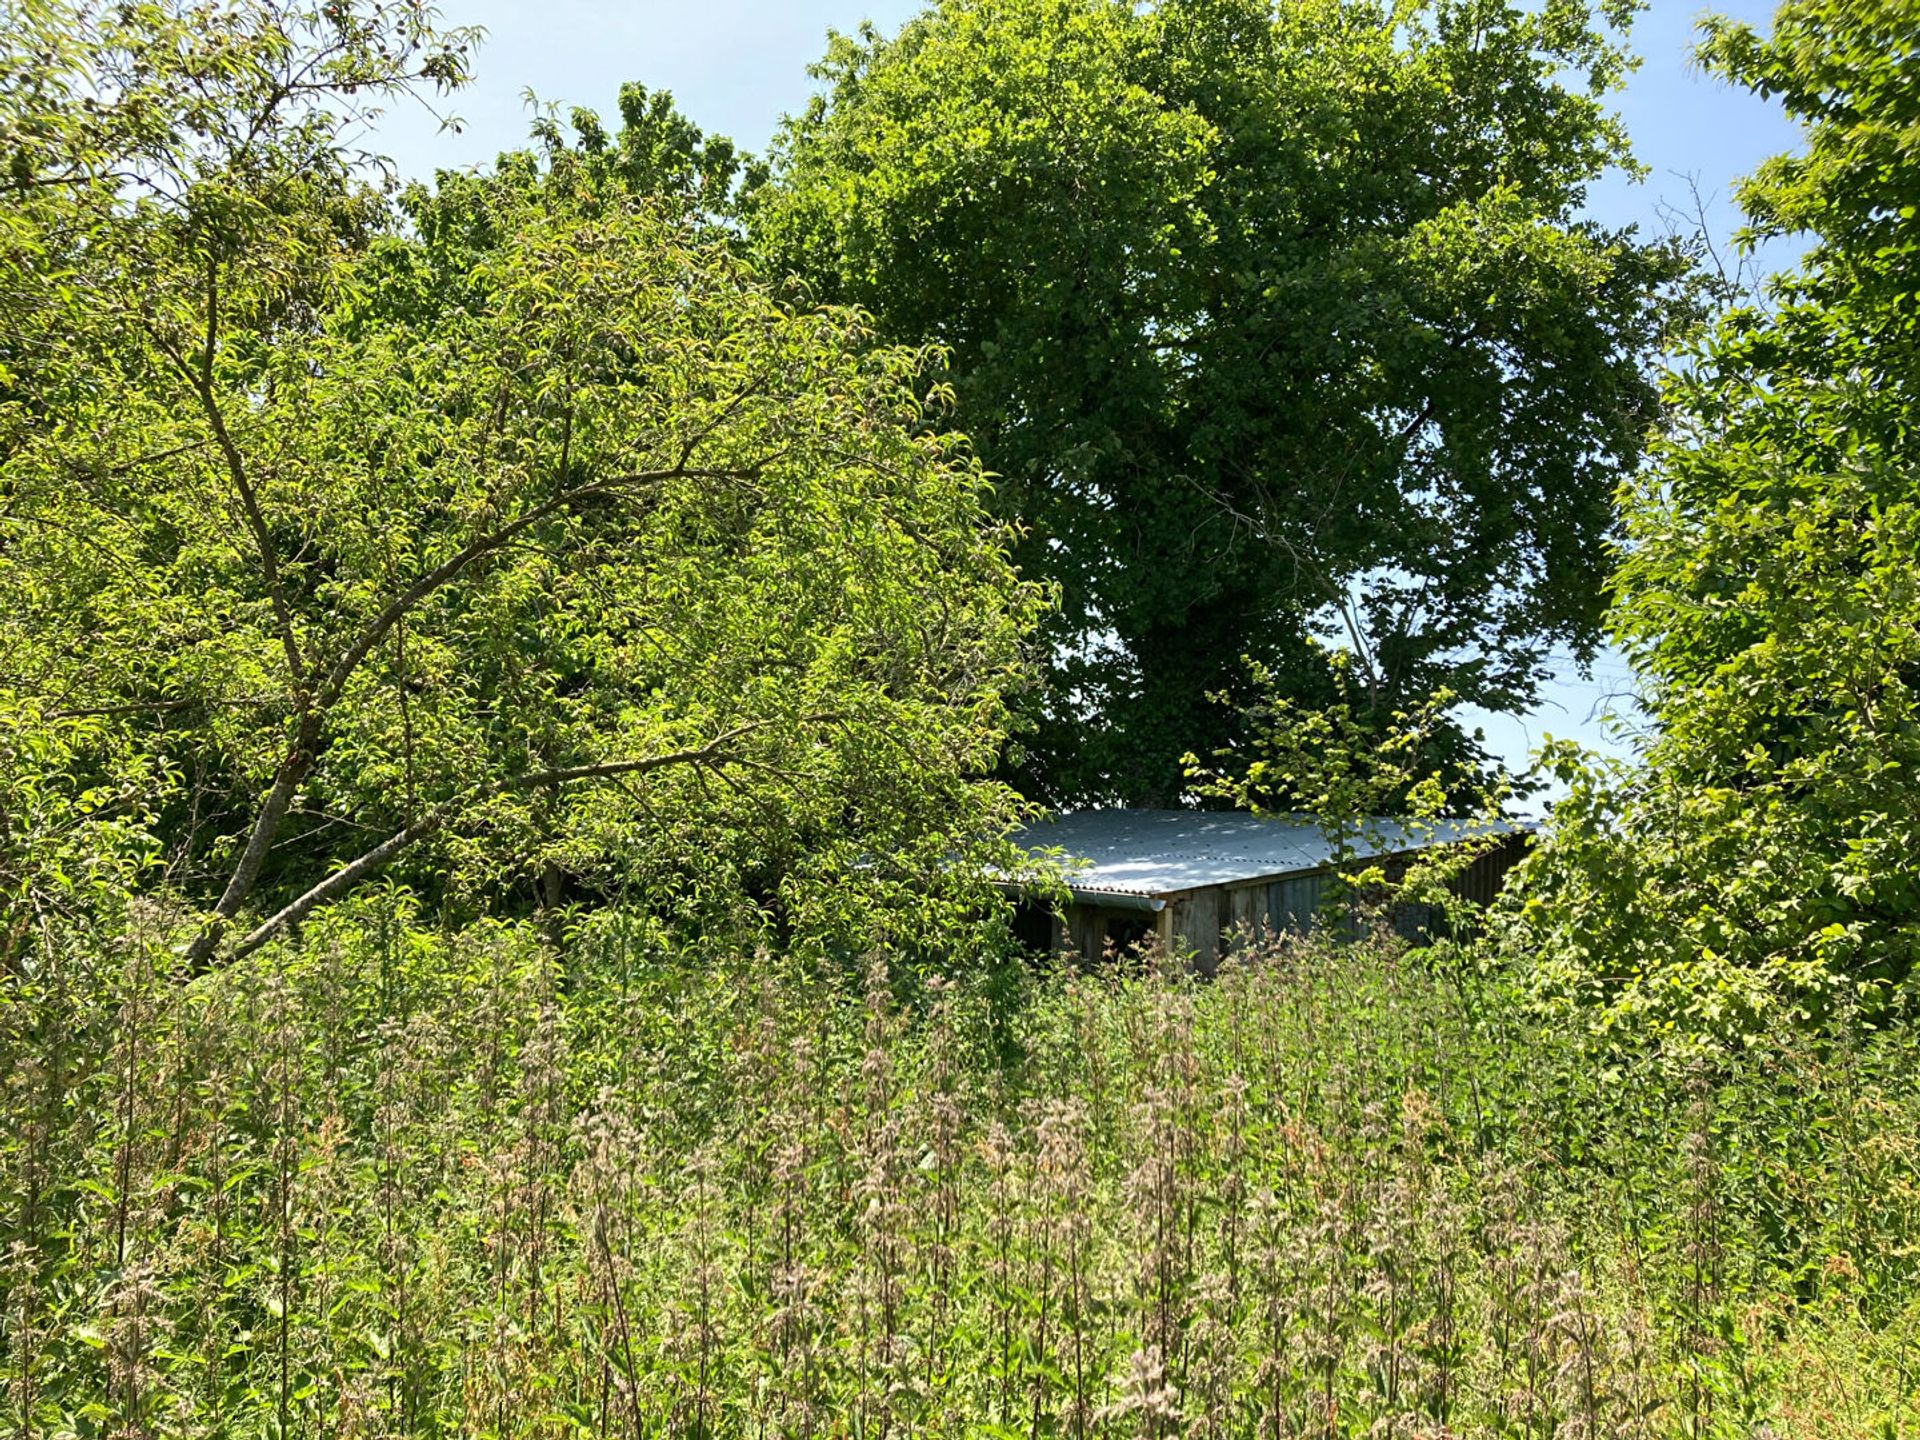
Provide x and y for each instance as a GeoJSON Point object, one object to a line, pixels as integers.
{"type": "Point", "coordinates": [384, 1180]}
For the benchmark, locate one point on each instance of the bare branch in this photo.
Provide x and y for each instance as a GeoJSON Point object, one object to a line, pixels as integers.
{"type": "Point", "coordinates": [162, 707]}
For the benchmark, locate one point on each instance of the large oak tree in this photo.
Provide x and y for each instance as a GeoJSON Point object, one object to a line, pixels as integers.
{"type": "Point", "coordinates": [1271, 320]}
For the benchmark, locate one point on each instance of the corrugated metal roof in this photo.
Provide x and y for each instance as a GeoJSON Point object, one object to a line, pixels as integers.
{"type": "Point", "coordinates": [1162, 852]}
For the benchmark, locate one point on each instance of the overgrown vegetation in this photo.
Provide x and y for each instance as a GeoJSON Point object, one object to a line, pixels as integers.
{"type": "Point", "coordinates": [391, 1180]}
{"type": "Point", "coordinates": [500, 710]}
{"type": "Point", "coordinates": [513, 538]}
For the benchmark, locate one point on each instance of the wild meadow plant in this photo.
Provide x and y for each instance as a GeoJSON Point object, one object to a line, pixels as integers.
{"type": "Point", "coordinates": [382, 1180]}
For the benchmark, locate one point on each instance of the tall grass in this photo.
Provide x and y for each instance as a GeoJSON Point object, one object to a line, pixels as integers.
{"type": "Point", "coordinates": [390, 1181]}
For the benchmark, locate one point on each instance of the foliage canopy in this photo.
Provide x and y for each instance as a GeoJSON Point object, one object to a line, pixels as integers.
{"type": "Point", "coordinates": [525, 530]}
{"type": "Point", "coordinates": [1763, 856]}
{"type": "Point", "coordinates": [1269, 319]}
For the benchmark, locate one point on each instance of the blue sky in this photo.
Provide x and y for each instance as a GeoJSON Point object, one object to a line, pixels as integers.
{"type": "Point", "coordinates": [736, 66]}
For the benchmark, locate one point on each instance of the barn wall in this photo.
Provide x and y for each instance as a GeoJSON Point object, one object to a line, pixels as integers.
{"type": "Point", "coordinates": [1246, 914]}
{"type": "Point", "coordinates": [1089, 930]}
{"type": "Point", "coordinates": [1207, 922]}
{"type": "Point", "coordinates": [1486, 876]}
{"type": "Point", "coordinates": [1212, 923]}
{"type": "Point", "coordinates": [1086, 931]}
{"type": "Point", "coordinates": [1196, 926]}
{"type": "Point", "coordinates": [1292, 903]}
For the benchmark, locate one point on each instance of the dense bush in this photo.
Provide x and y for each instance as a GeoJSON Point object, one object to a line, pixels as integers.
{"type": "Point", "coordinates": [516, 536]}
{"type": "Point", "coordinates": [1759, 860]}
{"type": "Point", "coordinates": [523, 525]}
{"type": "Point", "coordinates": [384, 1180]}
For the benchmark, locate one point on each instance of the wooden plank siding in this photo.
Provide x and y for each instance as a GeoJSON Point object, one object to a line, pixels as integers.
{"type": "Point", "coordinates": [1250, 915]}
{"type": "Point", "coordinates": [1196, 925]}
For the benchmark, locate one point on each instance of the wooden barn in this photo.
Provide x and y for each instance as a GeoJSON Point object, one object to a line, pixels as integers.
{"type": "Point", "coordinates": [1196, 878]}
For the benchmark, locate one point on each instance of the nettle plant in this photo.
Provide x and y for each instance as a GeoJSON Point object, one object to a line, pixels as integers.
{"type": "Point", "coordinates": [390, 1176]}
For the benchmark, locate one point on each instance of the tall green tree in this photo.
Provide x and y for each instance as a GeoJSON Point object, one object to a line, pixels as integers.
{"type": "Point", "coordinates": [1272, 321]}
{"type": "Point", "coordinates": [522, 533]}
{"type": "Point", "coordinates": [1762, 858]}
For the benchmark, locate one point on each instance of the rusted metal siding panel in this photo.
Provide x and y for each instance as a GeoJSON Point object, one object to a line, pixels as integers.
{"type": "Point", "coordinates": [1481, 882]}
{"type": "Point", "coordinates": [1487, 876]}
